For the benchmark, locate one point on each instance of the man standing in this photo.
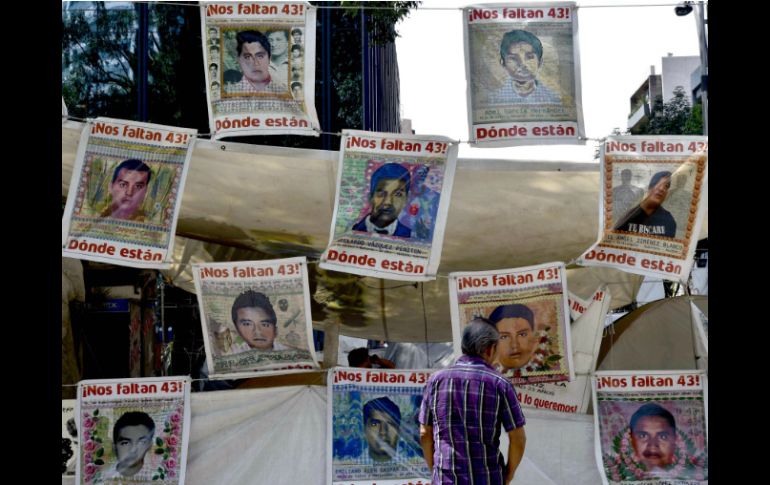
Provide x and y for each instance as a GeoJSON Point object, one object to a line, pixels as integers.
{"type": "Point", "coordinates": [625, 196]}
{"type": "Point", "coordinates": [127, 190]}
{"type": "Point", "coordinates": [462, 410]}
{"type": "Point", "coordinates": [253, 54]}
{"type": "Point", "coordinates": [521, 55]}
{"type": "Point", "coordinates": [388, 193]}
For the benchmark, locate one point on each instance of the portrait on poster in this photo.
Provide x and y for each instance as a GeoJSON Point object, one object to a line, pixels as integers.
{"type": "Point", "coordinates": [375, 430]}
{"type": "Point", "coordinates": [139, 438]}
{"type": "Point", "coordinates": [653, 437]}
{"type": "Point", "coordinates": [255, 316]}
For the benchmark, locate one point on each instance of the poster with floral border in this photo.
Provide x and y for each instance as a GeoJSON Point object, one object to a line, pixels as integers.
{"type": "Point", "coordinates": [151, 418]}
{"type": "Point", "coordinates": [651, 427]}
{"type": "Point", "coordinates": [531, 301]}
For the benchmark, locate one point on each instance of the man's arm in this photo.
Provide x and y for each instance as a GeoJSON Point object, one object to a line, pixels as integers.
{"type": "Point", "coordinates": [426, 441]}
{"type": "Point", "coordinates": [517, 440]}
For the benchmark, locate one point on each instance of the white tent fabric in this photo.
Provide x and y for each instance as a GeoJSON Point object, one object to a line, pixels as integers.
{"type": "Point", "coordinates": [658, 335]}
{"type": "Point", "coordinates": [258, 436]}
{"type": "Point", "coordinates": [279, 202]}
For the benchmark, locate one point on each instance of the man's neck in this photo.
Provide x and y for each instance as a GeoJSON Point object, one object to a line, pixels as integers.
{"type": "Point", "coordinates": [259, 84]}
{"type": "Point", "coordinates": [524, 88]}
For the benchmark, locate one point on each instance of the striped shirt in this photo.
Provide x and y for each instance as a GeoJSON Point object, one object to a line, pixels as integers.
{"type": "Point", "coordinates": [466, 404]}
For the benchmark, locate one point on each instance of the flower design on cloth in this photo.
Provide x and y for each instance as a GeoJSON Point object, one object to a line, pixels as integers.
{"type": "Point", "coordinates": [93, 447]}
{"type": "Point", "coordinates": [168, 445]}
{"type": "Point", "coordinates": [621, 464]}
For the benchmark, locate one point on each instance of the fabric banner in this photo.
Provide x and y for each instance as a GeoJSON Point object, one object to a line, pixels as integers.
{"type": "Point", "coordinates": [529, 307]}
{"type": "Point", "coordinates": [125, 193]}
{"type": "Point", "coordinates": [255, 317]}
{"type": "Point", "coordinates": [652, 201]}
{"type": "Point", "coordinates": [133, 431]}
{"type": "Point", "coordinates": [69, 437]}
{"type": "Point", "coordinates": [578, 306]}
{"type": "Point", "coordinates": [260, 68]}
{"type": "Point", "coordinates": [393, 193]}
{"type": "Point", "coordinates": [651, 427]}
{"type": "Point", "coordinates": [373, 428]}
{"type": "Point", "coordinates": [586, 335]}
{"type": "Point", "coordinates": [701, 324]}
{"type": "Point", "coordinates": [523, 74]}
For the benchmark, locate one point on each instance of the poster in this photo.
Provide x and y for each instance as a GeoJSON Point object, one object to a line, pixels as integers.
{"type": "Point", "coordinates": [373, 427]}
{"type": "Point", "coordinates": [529, 308]}
{"type": "Point", "coordinates": [69, 437]}
{"type": "Point", "coordinates": [653, 195]}
{"type": "Point", "coordinates": [260, 68]}
{"type": "Point", "coordinates": [523, 74]}
{"type": "Point", "coordinates": [255, 317]}
{"type": "Point", "coordinates": [125, 193]}
{"type": "Point", "coordinates": [133, 431]}
{"type": "Point", "coordinates": [586, 335]}
{"type": "Point", "coordinates": [651, 427]}
{"type": "Point", "coordinates": [393, 193]}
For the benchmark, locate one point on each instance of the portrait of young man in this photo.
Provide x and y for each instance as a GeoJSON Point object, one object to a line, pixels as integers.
{"type": "Point", "coordinates": [382, 422]}
{"type": "Point", "coordinates": [388, 194]}
{"type": "Point", "coordinates": [128, 189]}
{"type": "Point", "coordinates": [255, 321]}
{"type": "Point", "coordinates": [253, 53]}
{"type": "Point", "coordinates": [132, 438]}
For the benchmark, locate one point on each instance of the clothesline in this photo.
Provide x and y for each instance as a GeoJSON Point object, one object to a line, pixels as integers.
{"type": "Point", "coordinates": [207, 136]}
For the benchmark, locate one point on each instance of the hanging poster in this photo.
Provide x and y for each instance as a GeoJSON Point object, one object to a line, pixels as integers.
{"type": "Point", "coordinates": [256, 317]}
{"type": "Point", "coordinates": [393, 193]}
{"type": "Point", "coordinates": [125, 193]}
{"type": "Point", "coordinates": [523, 74]}
{"type": "Point", "coordinates": [529, 309]}
{"type": "Point", "coordinates": [651, 427]}
{"type": "Point", "coordinates": [373, 428]}
{"type": "Point", "coordinates": [260, 68]}
{"type": "Point", "coordinates": [69, 437]}
{"type": "Point", "coordinates": [578, 306]}
{"type": "Point", "coordinates": [586, 335]}
{"type": "Point", "coordinates": [133, 431]}
{"type": "Point", "coordinates": [653, 195]}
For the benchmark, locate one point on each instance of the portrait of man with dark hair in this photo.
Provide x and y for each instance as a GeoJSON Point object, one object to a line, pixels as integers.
{"type": "Point", "coordinates": [253, 53]}
{"type": "Point", "coordinates": [128, 189]}
{"type": "Point", "coordinates": [382, 423]}
{"type": "Point", "coordinates": [649, 217]}
{"type": "Point", "coordinates": [132, 438]}
{"type": "Point", "coordinates": [521, 56]}
{"type": "Point", "coordinates": [255, 321]}
{"type": "Point", "coordinates": [388, 194]}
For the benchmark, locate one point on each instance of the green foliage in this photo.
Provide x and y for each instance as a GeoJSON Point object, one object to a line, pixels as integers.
{"type": "Point", "coordinates": [381, 17]}
{"type": "Point", "coordinates": [675, 117]}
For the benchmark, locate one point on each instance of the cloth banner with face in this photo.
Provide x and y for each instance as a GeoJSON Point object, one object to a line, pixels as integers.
{"type": "Point", "coordinates": [653, 196]}
{"type": "Point", "coordinates": [125, 193]}
{"type": "Point", "coordinates": [255, 317]}
{"type": "Point", "coordinates": [259, 62]}
{"type": "Point", "coordinates": [586, 336]}
{"type": "Point", "coordinates": [133, 430]}
{"type": "Point", "coordinates": [69, 437]}
{"type": "Point", "coordinates": [393, 193]}
{"type": "Point", "coordinates": [651, 427]}
{"type": "Point", "coordinates": [529, 309]}
{"type": "Point", "coordinates": [373, 428]}
{"type": "Point", "coordinates": [523, 74]}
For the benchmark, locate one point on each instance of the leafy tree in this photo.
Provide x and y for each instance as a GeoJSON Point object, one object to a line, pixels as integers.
{"type": "Point", "coordinates": [675, 117]}
{"type": "Point", "coordinates": [100, 64]}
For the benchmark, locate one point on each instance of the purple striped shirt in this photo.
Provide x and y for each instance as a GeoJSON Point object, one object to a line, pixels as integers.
{"type": "Point", "coordinates": [466, 404]}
